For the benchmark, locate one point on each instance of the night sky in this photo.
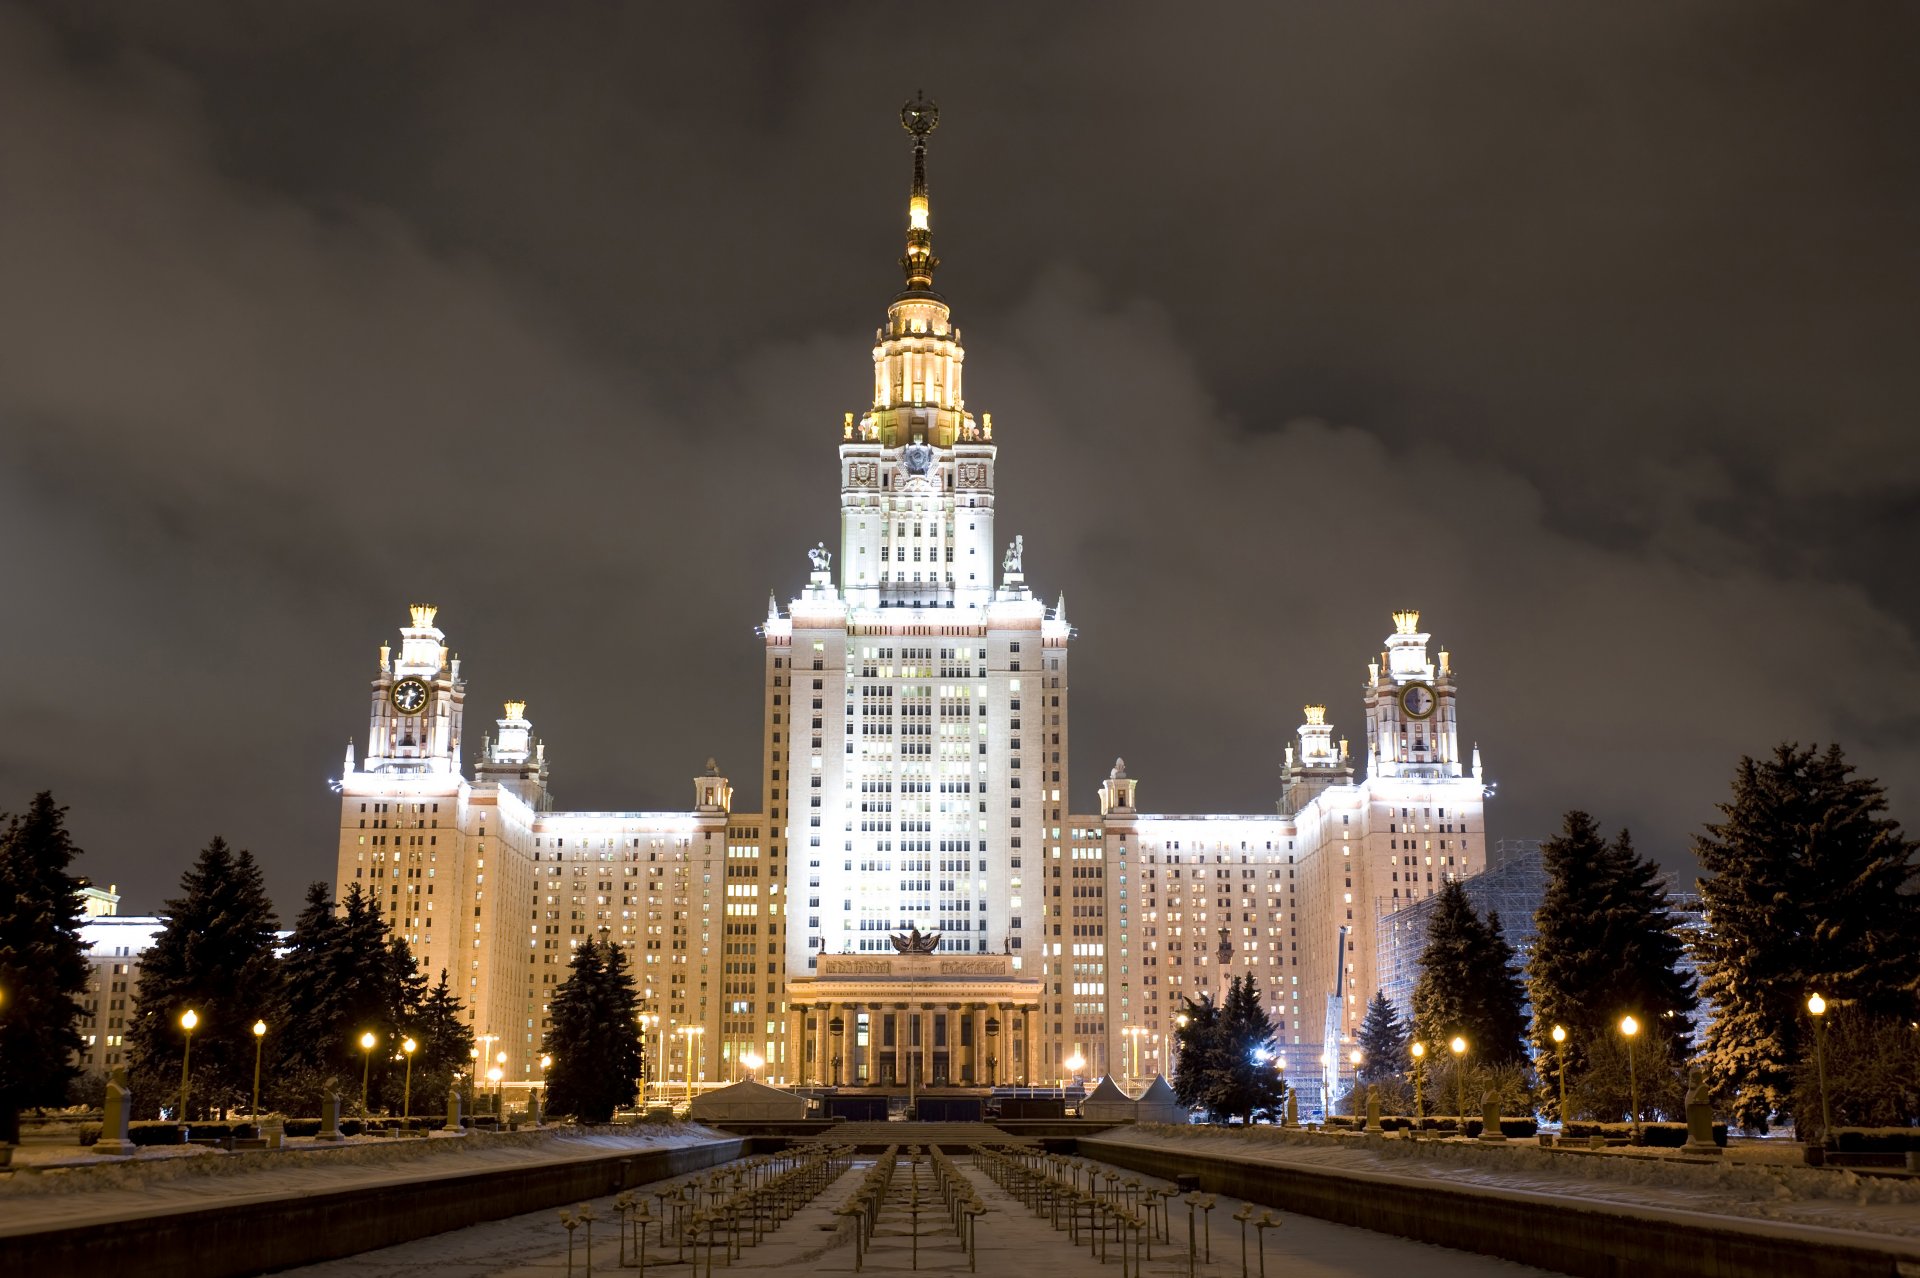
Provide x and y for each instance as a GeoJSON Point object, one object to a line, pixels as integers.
{"type": "Point", "coordinates": [1589, 331]}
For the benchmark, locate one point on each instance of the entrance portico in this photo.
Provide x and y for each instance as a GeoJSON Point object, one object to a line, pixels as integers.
{"type": "Point", "coordinates": [912, 1019]}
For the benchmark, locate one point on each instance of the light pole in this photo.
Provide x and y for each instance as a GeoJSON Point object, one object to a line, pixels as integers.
{"type": "Point", "coordinates": [649, 1049]}
{"type": "Point", "coordinates": [406, 1096]}
{"type": "Point", "coordinates": [188, 1019]}
{"type": "Point", "coordinates": [1074, 1064]}
{"type": "Point", "coordinates": [494, 1076]}
{"type": "Point", "coordinates": [473, 1076]}
{"type": "Point", "coordinates": [1817, 1008]}
{"type": "Point", "coordinates": [1560, 1067]}
{"type": "Point", "coordinates": [753, 1061]}
{"type": "Point", "coordinates": [1631, 1028]}
{"type": "Point", "coordinates": [1419, 1058]}
{"type": "Point", "coordinates": [692, 1032]}
{"type": "Point", "coordinates": [259, 1040]}
{"type": "Point", "coordinates": [367, 1041]}
{"type": "Point", "coordinates": [499, 1092]}
{"type": "Point", "coordinates": [1458, 1046]}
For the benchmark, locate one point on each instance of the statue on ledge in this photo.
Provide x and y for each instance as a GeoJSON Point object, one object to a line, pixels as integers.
{"type": "Point", "coordinates": [915, 942]}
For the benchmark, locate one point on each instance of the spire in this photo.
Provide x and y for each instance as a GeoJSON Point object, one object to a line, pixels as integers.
{"type": "Point", "coordinates": [920, 118]}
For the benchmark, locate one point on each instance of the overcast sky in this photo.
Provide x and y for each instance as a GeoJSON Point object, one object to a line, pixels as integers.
{"type": "Point", "coordinates": [1587, 330]}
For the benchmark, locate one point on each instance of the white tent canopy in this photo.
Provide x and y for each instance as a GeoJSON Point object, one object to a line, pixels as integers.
{"type": "Point", "coordinates": [748, 1100]}
{"type": "Point", "coordinates": [1107, 1101]}
{"type": "Point", "coordinates": [1158, 1104]}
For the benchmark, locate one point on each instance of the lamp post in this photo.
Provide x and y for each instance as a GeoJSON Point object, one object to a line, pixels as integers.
{"type": "Point", "coordinates": [1560, 1067]}
{"type": "Point", "coordinates": [406, 1095]}
{"type": "Point", "coordinates": [188, 1019]}
{"type": "Point", "coordinates": [1458, 1046]}
{"type": "Point", "coordinates": [1817, 1008]}
{"type": "Point", "coordinates": [259, 1040]}
{"type": "Point", "coordinates": [692, 1032]}
{"type": "Point", "coordinates": [753, 1061]}
{"type": "Point", "coordinates": [473, 1076]}
{"type": "Point", "coordinates": [1073, 1064]}
{"type": "Point", "coordinates": [993, 1051]}
{"type": "Point", "coordinates": [494, 1076]}
{"type": "Point", "coordinates": [1631, 1028]}
{"type": "Point", "coordinates": [1419, 1051]}
{"type": "Point", "coordinates": [366, 1066]}
{"type": "Point", "coordinates": [499, 1091]}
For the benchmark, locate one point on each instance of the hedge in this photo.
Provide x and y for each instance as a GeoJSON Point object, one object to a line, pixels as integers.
{"type": "Point", "coordinates": [1514, 1127]}
{"type": "Point", "coordinates": [1875, 1140]}
{"type": "Point", "coordinates": [1658, 1135]}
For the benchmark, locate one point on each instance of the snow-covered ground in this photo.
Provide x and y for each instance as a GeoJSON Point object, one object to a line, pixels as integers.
{"type": "Point", "coordinates": [1012, 1242]}
{"type": "Point", "coordinates": [174, 1179]}
{"type": "Point", "coordinates": [1756, 1187]}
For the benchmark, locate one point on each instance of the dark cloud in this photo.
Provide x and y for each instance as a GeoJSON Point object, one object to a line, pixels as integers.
{"type": "Point", "coordinates": [1583, 331]}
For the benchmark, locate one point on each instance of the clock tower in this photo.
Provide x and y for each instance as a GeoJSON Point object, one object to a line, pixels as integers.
{"type": "Point", "coordinates": [418, 695]}
{"type": "Point", "coordinates": [1412, 723]}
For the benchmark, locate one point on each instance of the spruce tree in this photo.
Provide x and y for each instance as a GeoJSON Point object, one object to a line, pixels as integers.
{"type": "Point", "coordinates": [595, 1039]}
{"type": "Point", "coordinates": [1467, 985]}
{"type": "Point", "coordinates": [1383, 1044]}
{"type": "Point", "coordinates": [1606, 946]}
{"type": "Point", "coordinates": [445, 1039]}
{"type": "Point", "coordinates": [1196, 1045]}
{"type": "Point", "coordinates": [1807, 888]}
{"type": "Point", "coordinates": [43, 965]}
{"type": "Point", "coordinates": [303, 1036]}
{"type": "Point", "coordinates": [214, 954]}
{"type": "Point", "coordinates": [1247, 1084]}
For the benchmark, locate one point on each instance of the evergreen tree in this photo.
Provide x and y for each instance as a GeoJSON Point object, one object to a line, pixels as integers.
{"type": "Point", "coordinates": [1606, 946]}
{"type": "Point", "coordinates": [1383, 1044]}
{"type": "Point", "coordinates": [345, 975]}
{"type": "Point", "coordinates": [1467, 984]}
{"type": "Point", "coordinates": [43, 965]}
{"type": "Point", "coordinates": [445, 1039]}
{"type": "Point", "coordinates": [1196, 1042]}
{"type": "Point", "coordinates": [215, 955]}
{"type": "Point", "coordinates": [595, 1039]}
{"type": "Point", "coordinates": [1225, 1055]}
{"type": "Point", "coordinates": [1807, 887]}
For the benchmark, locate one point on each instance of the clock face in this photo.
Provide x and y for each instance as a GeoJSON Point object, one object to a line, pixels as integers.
{"type": "Point", "coordinates": [1417, 700]}
{"type": "Point", "coordinates": [409, 696]}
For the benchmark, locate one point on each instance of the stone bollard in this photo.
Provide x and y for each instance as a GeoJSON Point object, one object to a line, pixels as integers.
{"type": "Point", "coordinates": [119, 1108]}
{"type": "Point", "coordinates": [1373, 1109]}
{"type": "Point", "coordinates": [330, 1117]}
{"type": "Point", "coordinates": [534, 1114]}
{"type": "Point", "coordinates": [1490, 1118]}
{"type": "Point", "coordinates": [453, 1109]}
{"type": "Point", "coordinates": [1293, 1111]}
{"type": "Point", "coordinates": [1699, 1116]}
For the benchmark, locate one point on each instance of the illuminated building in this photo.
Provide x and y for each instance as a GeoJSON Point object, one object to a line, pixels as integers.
{"type": "Point", "coordinates": [915, 751]}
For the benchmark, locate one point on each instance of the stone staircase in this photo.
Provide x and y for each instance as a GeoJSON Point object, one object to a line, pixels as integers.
{"type": "Point", "coordinates": [950, 1137]}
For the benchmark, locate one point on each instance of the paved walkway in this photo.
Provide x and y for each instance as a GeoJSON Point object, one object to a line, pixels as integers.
{"type": "Point", "coordinates": [1011, 1241]}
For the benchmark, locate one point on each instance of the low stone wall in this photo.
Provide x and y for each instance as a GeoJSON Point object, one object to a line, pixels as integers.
{"type": "Point", "coordinates": [1590, 1239]}
{"type": "Point", "coordinates": [253, 1237]}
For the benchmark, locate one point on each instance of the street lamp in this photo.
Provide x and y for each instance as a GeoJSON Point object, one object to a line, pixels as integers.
{"type": "Point", "coordinates": [259, 1039]}
{"type": "Point", "coordinates": [1631, 1028]}
{"type": "Point", "coordinates": [494, 1076]}
{"type": "Point", "coordinates": [1458, 1046]}
{"type": "Point", "coordinates": [188, 1019]}
{"type": "Point", "coordinates": [753, 1061]}
{"type": "Point", "coordinates": [406, 1096]}
{"type": "Point", "coordinates": [1419, 1058]}
{"type": "Point", "coordinates": [367, 1041]}
{"type": "Point", "coordinates": [1560, 1067]}
{"type": "Point", "coordinates": [1074, 1064]}
{"type": "Point", "coordinates": [1817, 1008]}
{"type": "Point", "coordinates": [692, 1032]}
{"type": "Point", "coordinates": [473, 1076]}
{"type": "Point", "coordinates": [499, 1092]}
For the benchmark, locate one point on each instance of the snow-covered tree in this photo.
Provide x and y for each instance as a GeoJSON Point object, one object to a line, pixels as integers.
{"type": "Point", "coordinates": [1807, 887]}
{"type": "Point", "coordinates": [1383, 1044]}
{"type": "Point", "coordinates": [595, 1039]}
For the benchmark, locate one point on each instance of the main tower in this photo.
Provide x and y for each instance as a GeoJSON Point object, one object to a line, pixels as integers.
{"type": "Point", "coordinates": [916, 717]}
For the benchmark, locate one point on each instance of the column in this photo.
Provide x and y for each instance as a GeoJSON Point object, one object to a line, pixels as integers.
{"type": "Point", "coordinates": [1028, 1072]}
{"type": "Point", "coordinates": [902, 1048]}
{"type": "Point", "coordinates": [925, 1013]}
{"type": "Point", "coordinates": [977, 1058]}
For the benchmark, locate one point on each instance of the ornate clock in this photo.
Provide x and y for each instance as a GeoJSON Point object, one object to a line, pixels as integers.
{"type": "Point", "coordinates": [1417, 700]}
{"type": "Point", "coordinates": [409, 696]}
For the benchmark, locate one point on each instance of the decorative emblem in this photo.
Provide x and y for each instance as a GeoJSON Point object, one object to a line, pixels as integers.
{"type": "Point", "coordinates": [863, 475]}
{"type": "Point", "coordinates": [917, 457]}
{"type": "Point", "coordinates": [821, 558]}
{"type": "Point", "coordinates": [970, 475]}
{"type": "Point", "coordinates": [915, 941]}
{"type": "Point", "coordinates": [1226, 948]}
